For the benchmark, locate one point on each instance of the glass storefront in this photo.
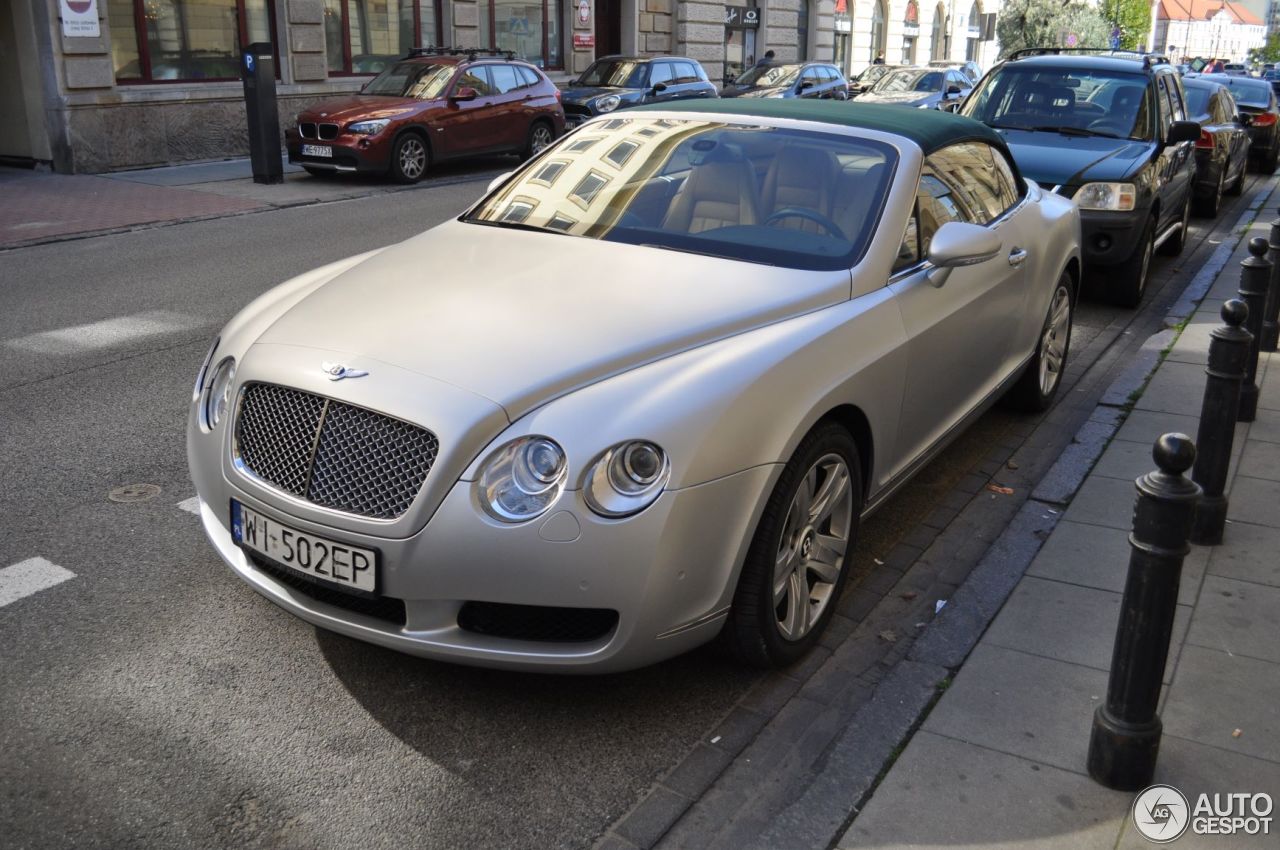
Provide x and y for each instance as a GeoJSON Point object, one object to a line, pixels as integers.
{"type": "Point", "coordinates": [184, 39]}
{"type": "Point", "coordinates": [365, 36]}
{"type": "Point", "coordinates": [530, 30]}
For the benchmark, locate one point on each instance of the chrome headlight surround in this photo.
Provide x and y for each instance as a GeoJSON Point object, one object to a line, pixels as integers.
{"type": "Point", "coordinates": [1115, 197]}
{"type": "Point", "coordinates": [608, 103]}
{"type": "Point", "coordinates": [217, 396]}
{"type": "Point", "coordinates": [522, 479]}
{"type": "Point", "coordinates": [204, 370]}
{"type": "Point", "coordinates": [627, 479]}
{"type": "Point", "coordinates": [369, 128]}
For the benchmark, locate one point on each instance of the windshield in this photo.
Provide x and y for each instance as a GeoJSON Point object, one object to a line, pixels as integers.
{"type": "Point", "coordinates": [871, 74]}
{"type": "Point", "coordinates": [1250, 92]}
{"type": "Point", "coordinates": [768, 76]}
{"type": "Point", "coordinates": [699, 187]}
{"type": "Point", "coordinates": [909, 80]}
{"type": "Point", "coordinates": [1073, 101]}
{"type": "Point", "coordinates": [411, 79]}
{"type": "Point", "coordinates": [614, 73]}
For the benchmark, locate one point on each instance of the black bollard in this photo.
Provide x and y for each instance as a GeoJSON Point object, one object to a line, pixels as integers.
{"type": "Point", "coordinates": [1255, 280]}
{"type": "Point", "coordinates": [1228, 351]}
{"type": "Point", "coordinates": [1270, 326]}
{"type": "Point", "coordinates": [1126, 728]}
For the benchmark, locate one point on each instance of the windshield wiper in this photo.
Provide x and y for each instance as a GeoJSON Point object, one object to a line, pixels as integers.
{"type": "Point", "coordinates": [516, 225]}
{"type": "Point", "coordinates": [1075, 131]}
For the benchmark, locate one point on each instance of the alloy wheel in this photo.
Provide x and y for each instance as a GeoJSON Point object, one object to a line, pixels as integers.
{"type": "Point", "coordinates": [413, 158]}
{"type": "Point", "coordinates": [811, 552]}
{"type": "Point", "coordinates": [1053, 344]}
{"type": "Point", "coordinates": [540, 139]}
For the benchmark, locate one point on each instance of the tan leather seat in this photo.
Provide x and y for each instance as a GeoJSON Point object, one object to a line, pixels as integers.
{"type": "Point", "coordinates": [717, 193]}
{"type": "Point", "coordinates": [802, 177]}
{"type": "Point", "coordinates": [854, 194]}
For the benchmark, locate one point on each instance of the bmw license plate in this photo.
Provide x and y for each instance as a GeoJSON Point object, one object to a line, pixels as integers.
{"type": "Point", "coordinates": [317, 150]}
{"type": "Point", "coordinates": [317, 557]}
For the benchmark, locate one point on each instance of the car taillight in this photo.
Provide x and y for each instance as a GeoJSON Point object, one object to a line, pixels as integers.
{"type": "Point", "coordinates": [1263, 119]}
{"type": "Point", "coordinates": [559, 95]}
{"type": "Point", "coordinates": [1206, 140]}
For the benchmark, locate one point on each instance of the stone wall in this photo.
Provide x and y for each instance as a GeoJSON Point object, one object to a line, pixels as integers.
{"type": "Point", "coordinates": [654, 27]}
{"type": "Point", "coordinates": [700, 34]}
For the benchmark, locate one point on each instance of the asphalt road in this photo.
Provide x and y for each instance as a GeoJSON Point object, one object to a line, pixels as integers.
{"type": "Point", "coordinates": [153, 700]}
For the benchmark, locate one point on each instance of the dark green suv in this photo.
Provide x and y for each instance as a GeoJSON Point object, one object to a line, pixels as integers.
{"type": "Point", "coordinates": [1110, 131]}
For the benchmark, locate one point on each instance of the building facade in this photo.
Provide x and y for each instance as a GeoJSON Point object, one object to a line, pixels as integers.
{"type": "Point", "coordinates": [115, 84]}
{"type": "Point", "coordinates": [1208, 29]}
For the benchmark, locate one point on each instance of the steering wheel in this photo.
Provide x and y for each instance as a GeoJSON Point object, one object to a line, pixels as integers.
{"type": "Point", "coordinates": [809, 215]}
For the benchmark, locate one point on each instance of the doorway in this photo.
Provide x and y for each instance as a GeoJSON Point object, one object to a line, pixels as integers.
{"type": "Point", "coordinates": [608, 27]}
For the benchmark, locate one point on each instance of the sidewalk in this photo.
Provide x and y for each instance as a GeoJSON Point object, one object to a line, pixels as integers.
{"type": "Point", "coordinates": [1000, 759]}
{"type": "Point", "coordinates": [42, 207]}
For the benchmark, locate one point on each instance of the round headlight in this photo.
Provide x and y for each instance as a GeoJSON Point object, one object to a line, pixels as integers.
{"type": "Point", "coordinates": [219, 398]}
{"type": "Point", "coordinates": [608, 103]}
{"type": "Point", "coordinates": [627, 479]}
{"type": "Point", "coordinates": [522, 479]}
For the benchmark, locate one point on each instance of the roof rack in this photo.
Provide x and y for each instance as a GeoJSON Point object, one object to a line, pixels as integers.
{"type": "Point", "coordinates": [1148, 59]}
{"type": "Point", "coordinates": [470, 52]}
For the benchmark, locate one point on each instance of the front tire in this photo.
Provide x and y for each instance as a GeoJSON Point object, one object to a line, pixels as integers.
{"type": "Point", "coordinates": [1133, 273]}
{"type": "Point", "coordinates": [409, 159]}
{"type": "Point", "coordinates": [798, 561]}
{"type": "Point", "coordinates": [1039, 383]}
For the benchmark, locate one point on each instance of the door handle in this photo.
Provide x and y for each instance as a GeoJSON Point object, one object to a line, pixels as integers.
{"type": "Point", "coordinates": [1017, 257]}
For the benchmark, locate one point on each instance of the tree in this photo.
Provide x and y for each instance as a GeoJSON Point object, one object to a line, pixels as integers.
{"type": "Point", "coordinates": [1050, 23]}
{"type": "Point", "coordinates": [1132, 17]}
{"type": "Point", "coordinates": [1269, 52]}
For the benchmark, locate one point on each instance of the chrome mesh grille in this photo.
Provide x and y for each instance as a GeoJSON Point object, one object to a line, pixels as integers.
{"type": "Point", "coordinates": [331, 453]}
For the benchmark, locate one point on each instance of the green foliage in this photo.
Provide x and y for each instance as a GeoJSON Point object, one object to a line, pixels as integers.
{"type": "Point", "coordinates": [1134, 19]}
{"type": "Point", "coordinates": [1269, 52]}
{"type": "Point", "coordinates": [1050, 23]}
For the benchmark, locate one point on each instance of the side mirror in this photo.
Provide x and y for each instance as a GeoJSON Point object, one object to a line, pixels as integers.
{"type": "Point", "coordinates": [659, 88]}
{"type": "Point", "coordinates": [953, 89]}
{"type": "Point", "coordinates": [1183, 131]}
{"type": "Point", "coordinates": [498, 181]}
{"type": "Point", "coordinates": [804, 84]}
{"type": "Point", "coordinates": [957, 244]}
{"type": "Point", "coordinates": [463, 93]}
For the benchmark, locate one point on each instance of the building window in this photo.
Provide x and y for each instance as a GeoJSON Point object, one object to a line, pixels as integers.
{"type": "Point", "coordinates": [531, 30]}
{"type": "Point", "coordinates": [184, 40]}
{"type": "Point", "coordinates": [938, 41]}
{"type": "Point", "coordinates": [973, 42]}
{"type": "Point", "coordinates": [365, 36]}
{"type": "Point", "coordinates": [547, 174]}
{"type": "Point", "coordinates": [877, 32]}
{"type": "Point", "coordinates": [910, 32]}
{"type": "Point", "coordinates": [587, 189]}
{"type": "Point", "coordinates": [844, 27]}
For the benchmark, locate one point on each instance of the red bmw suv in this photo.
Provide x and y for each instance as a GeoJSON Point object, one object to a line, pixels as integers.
{"type": "Point", "coordinates": [434, 104]}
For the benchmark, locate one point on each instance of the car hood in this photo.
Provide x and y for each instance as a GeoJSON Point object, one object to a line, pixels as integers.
{"type": "Point", "coordinates": [339, 109]}
{"type": "Point", "coordinates": [906, 98]}
{"type": "Point", "coordinates": [1052, 159]}
{"type": "Point", "coordinates": [582, 95]}
{"type": "Point", "coordinates": [521, 318]}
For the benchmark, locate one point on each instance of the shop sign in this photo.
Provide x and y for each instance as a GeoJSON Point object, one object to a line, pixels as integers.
{"type": "Point", "coordinates": [583, 39]}
{"type": "Point", "coordinates": [79, 18]}
{"type": "Point", "coordinates": [741, 17]}
{"type": "Point", "coordinates": [584, 12]}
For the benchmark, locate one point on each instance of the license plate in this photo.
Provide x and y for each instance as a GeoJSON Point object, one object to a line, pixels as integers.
{"type": "Point", "coordinates": [318, 557]}
{"type": "Point", "coordinates": [317, 150]}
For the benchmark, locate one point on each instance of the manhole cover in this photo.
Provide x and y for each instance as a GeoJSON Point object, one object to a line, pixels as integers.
{"type": "Point", "coordinates": [134, 493]}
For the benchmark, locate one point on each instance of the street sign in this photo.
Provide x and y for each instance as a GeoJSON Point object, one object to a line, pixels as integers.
{"type": "Point", "coordinates": [584, 12]}
{"type": "Point", "coordinates": [581, 39]}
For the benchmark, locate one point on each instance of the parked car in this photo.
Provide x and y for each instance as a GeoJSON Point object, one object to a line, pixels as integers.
{"type": "Point", "coordinates": [869, 76]}
{"type": "Point", "coordinates": [1236, 69]}
{"type": "Point", "coordinates": [922, 88]}
{"type": "Point", "coordinates": [618, 82]}
{"type": "Point", "coordinates": [1112, 133]}
{"type": "Point", "coordinates": [429, 107]}
{"type": "Point", "coordinates": [1256, 100]}
{"type": "Point", "coordinates": [407, 459]}
{"type": "Point", "coordinates": [812, 80]}
{"type": "Point", "coordinates": [972, 70]}
{"type": "Point", "coordinates": [1222, 153]}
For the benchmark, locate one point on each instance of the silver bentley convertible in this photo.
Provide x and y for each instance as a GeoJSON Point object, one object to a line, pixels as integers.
{"type": "Point", "coordinates": [641, 394]}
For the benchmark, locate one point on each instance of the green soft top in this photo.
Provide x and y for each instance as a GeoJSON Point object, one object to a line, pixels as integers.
{"type": "Point", "coordinates": [931, 129]}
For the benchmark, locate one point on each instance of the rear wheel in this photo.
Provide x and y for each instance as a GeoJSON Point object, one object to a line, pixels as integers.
{"type": "Point", "coordinates": [409, 159]}
{"type": "Point", "coordinates": [1208, 206]}
{"type": "Point", "coordinates": [796, 565]}
{"type": "Point", "coordinates": [1039, 383]}
{"type": "Point", "coordinates": [540, 138]}
{"type": "Point", "coordinates": [1237, 188]}
{"type": "Point", "coordinates": [1133, 273]}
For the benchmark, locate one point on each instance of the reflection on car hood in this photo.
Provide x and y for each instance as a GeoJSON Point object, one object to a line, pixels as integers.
{"type": "Point", "coordinates": [763, 91]}
{"type": "Point", "coordinates": [339, 109]}
{"type": "Point", "coordinates": [582, 95]}
{"type": "Point", "coordinates": [906, 98]}
{"type": "Point", "coordinates": [1052, 159]}
{"type": "Point", "coordinates": [521, 318]}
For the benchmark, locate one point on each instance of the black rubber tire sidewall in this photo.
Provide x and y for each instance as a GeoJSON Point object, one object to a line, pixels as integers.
{"type": "Point", "coordinates": [1130, 291]}
{"type": "Point", "coordinates": [751, 631]}
{"type": "Point", "coordinates": [1025, 395]}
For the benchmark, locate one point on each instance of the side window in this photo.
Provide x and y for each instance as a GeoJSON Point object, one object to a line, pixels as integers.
{"type": "Point", "coordinates": [505, 78]}
{"type": "Point", "coordinates": [954, 78]}
{"type": "Point", "coordinates": [1176, 101]}
{"type": "Point", "coordinates": [810, 75]}
{"type": "Point", "coordinates": [476, 78]}
{"type": "Point", "coordinates": [661, 72]}
{"type": "Point", "coordinates": [1165, 106]}
{"type": "Point", "coordinates": [688, 73]}
{"type": "Point", "coordinates": [937, 203]}
{"type": "Point", "coordinates": [1009, 185]}
{"type": "Point", "coordinates": [970, 168]}
{"type": "Point", "coordinates": [909, 250]}
{"type": "Point", "coordinates": [529, 76]}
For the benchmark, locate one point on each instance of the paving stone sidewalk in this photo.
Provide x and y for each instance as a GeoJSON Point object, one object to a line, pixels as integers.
{"type": "Point", "coordinates": [1000, 759]}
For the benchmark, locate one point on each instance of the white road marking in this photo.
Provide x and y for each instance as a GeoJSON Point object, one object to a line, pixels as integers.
{"type": "Point", "coordinates": [191, 506]}
{"type": "Point", "coordinates": [106, 333]}
{"type": "Point", "coordinates": [30, 576]}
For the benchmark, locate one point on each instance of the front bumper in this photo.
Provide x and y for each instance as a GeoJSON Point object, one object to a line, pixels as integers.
{"type": "Point", "coordinates": [669, 572]}
{"type": "Point", "coordinates": [351, 152]}
{"type": "Point", "coordinates": [1110, 238]}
